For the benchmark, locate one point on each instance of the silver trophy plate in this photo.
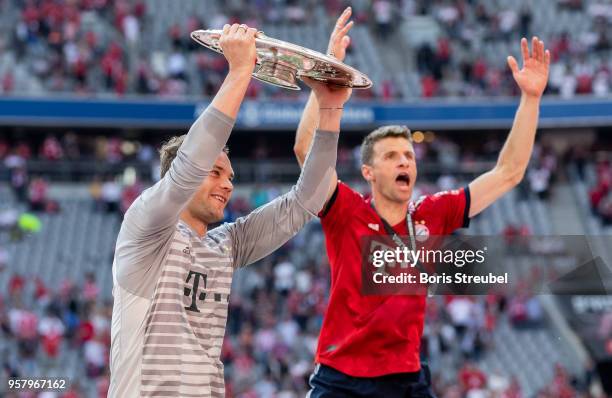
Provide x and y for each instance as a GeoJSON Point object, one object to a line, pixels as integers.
{"type": "Point", "coordinates": [280, 63]}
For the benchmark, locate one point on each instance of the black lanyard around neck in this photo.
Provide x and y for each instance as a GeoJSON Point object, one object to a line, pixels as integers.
{"type": "Point", "coordinates": [398, 241]}
{"type": "Point", "coordinates": [391, 232]}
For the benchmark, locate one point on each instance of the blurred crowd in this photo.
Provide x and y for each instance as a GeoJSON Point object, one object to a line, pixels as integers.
{"type": "Point", "coordinates": [44, 329]}
{"type": "Point", "coordinates": [70, 146]}
{"type": "Point", "coordinates": [58, 45]}
{"type": "Point", "coordinates": [462, 62]}
{"type": "Point", "coordinates": [27, 165]}
{"type": "Point", "coordinates": [102, 46]}
{"type": "Point", "coordinates": [107, 160]}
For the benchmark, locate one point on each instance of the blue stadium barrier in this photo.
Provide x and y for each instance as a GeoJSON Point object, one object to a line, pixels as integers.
{"type": "Point", "coordinates": [274, 115]}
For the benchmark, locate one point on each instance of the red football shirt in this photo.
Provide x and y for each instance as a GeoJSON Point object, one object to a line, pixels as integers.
{"type": "Point", "coordinates": [369, 336]}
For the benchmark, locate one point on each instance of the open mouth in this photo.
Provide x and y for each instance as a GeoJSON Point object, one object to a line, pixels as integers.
{"type": "Point", "coordinates": [220, 198]}
{"type": "Point", "coordinates": [403, 179]}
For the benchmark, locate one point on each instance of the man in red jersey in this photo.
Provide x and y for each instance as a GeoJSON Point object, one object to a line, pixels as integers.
{"type": "Point", "coordinates": [369, 345]}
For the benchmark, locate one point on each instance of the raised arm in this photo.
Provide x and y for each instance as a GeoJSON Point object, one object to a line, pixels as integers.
{"type": "Point", "coordinates": [270, 226]}
{"type": "Point", "coordinates": [514, 156]}
{"type": "Point", "coordinates": [338, 42]}
{"type": "Point", "coordinates": [158, 208]}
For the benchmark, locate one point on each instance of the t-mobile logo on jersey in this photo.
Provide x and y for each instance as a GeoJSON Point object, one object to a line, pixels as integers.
{"type": "Point", "coordinates": [193, 291]}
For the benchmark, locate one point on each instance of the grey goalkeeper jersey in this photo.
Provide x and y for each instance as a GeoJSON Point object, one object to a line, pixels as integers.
{"type": "Point", "coordinates": [171, 287]}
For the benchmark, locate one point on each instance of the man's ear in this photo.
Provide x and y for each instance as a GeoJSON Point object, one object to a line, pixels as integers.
{"type": "Point", "coordinates": [366, 172]}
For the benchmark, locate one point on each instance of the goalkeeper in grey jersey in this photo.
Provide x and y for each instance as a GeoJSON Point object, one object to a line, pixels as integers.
{"type": "Point", "coordinates": [171, 274]}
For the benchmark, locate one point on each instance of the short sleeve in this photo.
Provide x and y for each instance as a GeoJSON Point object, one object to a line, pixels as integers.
{"type": "Point", "coordinates": [340, 206]}
{"type": "Point", "coordinates": [453, 206]}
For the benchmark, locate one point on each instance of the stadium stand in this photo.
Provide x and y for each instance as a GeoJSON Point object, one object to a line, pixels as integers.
{"type": "Point", "coordinates": [409, 48]}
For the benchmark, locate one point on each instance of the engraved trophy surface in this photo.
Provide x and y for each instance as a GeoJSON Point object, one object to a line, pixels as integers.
{"type": "Point", "coordinates": [281, 63]}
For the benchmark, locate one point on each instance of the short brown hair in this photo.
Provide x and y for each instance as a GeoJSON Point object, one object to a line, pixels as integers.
{"type": "Point", "coordinates": [367, 146]}
{"type": "Point", "coordinates": [168, 152]}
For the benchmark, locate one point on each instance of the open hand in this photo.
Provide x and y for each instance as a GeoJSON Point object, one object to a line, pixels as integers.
{"type": "Point", "coordinates": [339, 40]}
{"type": "Point", "coordinates": [532, 79]}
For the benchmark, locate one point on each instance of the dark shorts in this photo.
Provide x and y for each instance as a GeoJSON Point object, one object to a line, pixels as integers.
{"type": "Point", "coordinates": [328, 382]}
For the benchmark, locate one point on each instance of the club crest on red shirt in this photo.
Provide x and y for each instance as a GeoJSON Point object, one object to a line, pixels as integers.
{"type": "Point", "coordinates": [421, 231]}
